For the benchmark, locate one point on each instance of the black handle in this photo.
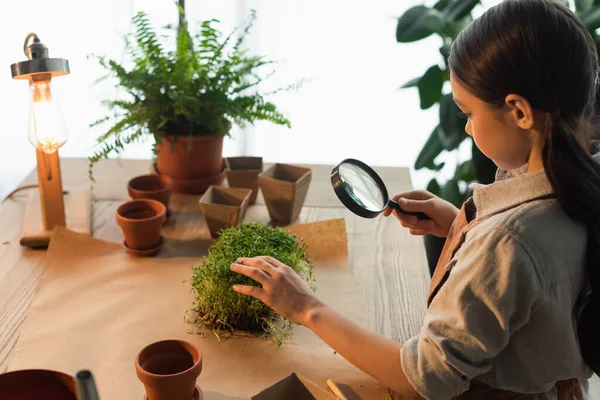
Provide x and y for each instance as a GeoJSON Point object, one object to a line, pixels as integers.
{"type": "Point", "coordinates": [394, 204]}
{"type": "Point", "coordinates": [86, 387]}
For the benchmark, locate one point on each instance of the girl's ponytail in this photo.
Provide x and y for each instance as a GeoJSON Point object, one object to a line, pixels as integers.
{"type": "Point", "coordinates": [575, 178]}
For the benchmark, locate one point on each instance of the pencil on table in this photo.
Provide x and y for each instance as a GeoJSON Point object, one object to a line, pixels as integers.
{"type": "Point", "coordinates": [335, 389]}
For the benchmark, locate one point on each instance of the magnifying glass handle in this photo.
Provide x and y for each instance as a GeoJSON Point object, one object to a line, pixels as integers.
{"type": "Point", "coordinates": [394, 204]}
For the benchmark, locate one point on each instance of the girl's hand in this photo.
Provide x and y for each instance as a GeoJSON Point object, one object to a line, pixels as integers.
{"type": "Point", "coordinates": [282, 289]}
{"type": "Point", "coordinates": [441, 212]}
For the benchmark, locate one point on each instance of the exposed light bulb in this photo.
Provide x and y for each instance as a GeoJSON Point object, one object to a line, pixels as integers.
{"type": "Point", "coordinates": [47, 129]}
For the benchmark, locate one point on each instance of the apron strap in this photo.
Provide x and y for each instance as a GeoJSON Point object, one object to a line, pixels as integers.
{"type": "Point", "coordinates": [456, 237]}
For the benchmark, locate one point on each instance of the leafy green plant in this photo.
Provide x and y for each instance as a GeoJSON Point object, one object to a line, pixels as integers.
{"type": "Point", "coordinates": [217, 306]}
{"type": "Point", "coordinates": [446, 18]}
{"type": "Point", "coordinates": [206, 82]}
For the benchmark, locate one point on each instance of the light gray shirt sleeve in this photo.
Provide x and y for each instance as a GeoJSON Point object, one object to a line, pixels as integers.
{"type": "Point", "coordinates": [490, 293]}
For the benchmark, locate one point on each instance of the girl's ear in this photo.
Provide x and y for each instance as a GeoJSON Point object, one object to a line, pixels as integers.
{"type": "Point", "coordinates": [521, 111]}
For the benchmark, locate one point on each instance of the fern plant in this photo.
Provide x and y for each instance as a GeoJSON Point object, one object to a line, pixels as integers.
{"type": "Point", "coordinates": [199, 88]}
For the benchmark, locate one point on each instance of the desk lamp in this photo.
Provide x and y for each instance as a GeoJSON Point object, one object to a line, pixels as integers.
{"type": "Point", "coordinates": [47, 133]}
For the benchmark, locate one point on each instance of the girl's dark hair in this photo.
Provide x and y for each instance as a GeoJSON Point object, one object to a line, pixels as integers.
{"type": "Point", "coordinates": [540, 50]}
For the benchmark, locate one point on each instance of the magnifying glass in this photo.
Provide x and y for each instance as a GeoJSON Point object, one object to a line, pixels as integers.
{"type": "Point", "coordinates": [362, 191]}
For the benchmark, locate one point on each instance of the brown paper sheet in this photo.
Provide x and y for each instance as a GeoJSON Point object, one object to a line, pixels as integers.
{"type": "Point", "coordinates": [96, 307]}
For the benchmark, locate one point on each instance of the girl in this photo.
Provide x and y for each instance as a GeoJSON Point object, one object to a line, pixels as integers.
{"type": "Point", "coordinates": [514, 307]}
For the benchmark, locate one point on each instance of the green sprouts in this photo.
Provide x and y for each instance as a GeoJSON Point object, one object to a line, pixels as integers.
{"type": "Point", "coordinates": [217, 306]}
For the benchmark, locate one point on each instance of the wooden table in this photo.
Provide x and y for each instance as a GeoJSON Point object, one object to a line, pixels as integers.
{"type": "Point", "coordinates": [389, 264]}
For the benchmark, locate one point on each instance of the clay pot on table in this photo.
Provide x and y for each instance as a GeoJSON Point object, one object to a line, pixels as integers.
{"type": "Point", "coordinates": [35, 384]}
{"type": "Point", "coordinates": [151, 186]}
{"type": "Point", "coordinates": [193, 163]}
{"type": "Point", "coordinates": [169, 369]}
{"type": "Point", "coordinates": [242, 172]}
{"type": "Point", "coordinates": [141, 221]}
{"type": "Point", "coordinates": [224, 207]}
{"type": "Point", "coordinates": [284, 188]}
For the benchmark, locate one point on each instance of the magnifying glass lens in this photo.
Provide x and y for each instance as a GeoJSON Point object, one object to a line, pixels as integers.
{"type": "Point", "coordinates": [362, 191]}
{"type": "Point", "coordinates": [362, 187]}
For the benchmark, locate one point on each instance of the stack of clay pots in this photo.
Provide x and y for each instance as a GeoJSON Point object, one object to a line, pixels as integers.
{"type": "Point", "coordinates": [284, 189]}
{"type": "Point", "coordinates": [142, 218]}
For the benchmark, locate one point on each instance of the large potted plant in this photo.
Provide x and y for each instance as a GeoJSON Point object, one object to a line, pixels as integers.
{"type": "Point", "coordinates": [185, 99]}
{"type": "Point", "coordinates": [446, 18]}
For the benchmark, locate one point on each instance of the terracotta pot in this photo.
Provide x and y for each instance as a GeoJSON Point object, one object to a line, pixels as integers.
{"type": "Point", "coordinates": [169, 369]}
{"type": "Point", "coordinates": [194, 186]}
{"type": "Point", "coordinates": [242, 172]}
{"type": "Point", "coordinates": [284, 188]}
{"type": "Point", "coordinates": [189, 158]}
{"type": "Point", "coordinates": [141, 222]}
{"type": "Point", "coordinates": [224, 207]}
{"type": "Point", "coordinates": [35, 384]}
{"type": "Point", "coordinates": [154, 187]}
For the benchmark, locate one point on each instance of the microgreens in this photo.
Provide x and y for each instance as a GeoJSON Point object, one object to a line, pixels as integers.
{"type": "Point", "coordinates": [218, 307]}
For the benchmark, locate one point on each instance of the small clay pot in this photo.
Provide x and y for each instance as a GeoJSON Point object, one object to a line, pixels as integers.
{"type": "Point", "coordinates": [284, 188]}
{"type": "Point", "coordinates": [34, 384]}
{"type": "Point", "coordinates": [141, 222]}
{"type": "Point", "coordinates": [169, 369]}
{"type": "Point", "coordinates": [242, 172]}
{"type": "Point", "coordinates": [224, 207]}
{"type": "Point", "coordinates": [154, 187]}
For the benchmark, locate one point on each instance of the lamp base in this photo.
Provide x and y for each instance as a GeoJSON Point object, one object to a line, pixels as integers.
{"type": "Point", "coordinates": [78, 210]}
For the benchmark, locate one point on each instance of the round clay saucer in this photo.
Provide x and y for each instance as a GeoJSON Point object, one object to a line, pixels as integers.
{"type": "Point", "coordinates": [145, 253]}
{"type": "Point", "coordinates": [195, 186]}
{"type": "Point", "coordinates": [198, 395]}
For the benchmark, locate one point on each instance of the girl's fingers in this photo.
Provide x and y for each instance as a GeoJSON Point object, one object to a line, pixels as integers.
{"type": "Point", "coordinates": [410, 221]}
{"type": "Point", "coordinates": [419, 232]}
{"type": "Point", "coordinates": [252, 291]}
{"type": "Point", "coordinates": [388, 211]}
{"type": "Point", "coordinates": [254, 273]}
{"type": "Point", "coordinates": [256, 262]}
{"type": "Point", "coordinates": [411, 205]}
{"type": "Point", "coordinates": [412, 194]}
{"type": "Point", "coordinates": [272, 261]}
{"type": "Point", "coordinates": [424, 224]}
{"type": "Point", "coordinates": [405, 219]}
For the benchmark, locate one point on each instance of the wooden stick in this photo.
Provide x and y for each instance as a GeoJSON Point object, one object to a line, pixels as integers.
{"type": "Point", "coordinates": [336, 390]}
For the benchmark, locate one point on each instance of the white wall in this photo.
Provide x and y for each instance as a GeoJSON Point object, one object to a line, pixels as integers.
{"type": "Point", "coordinates": [350, 108]}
